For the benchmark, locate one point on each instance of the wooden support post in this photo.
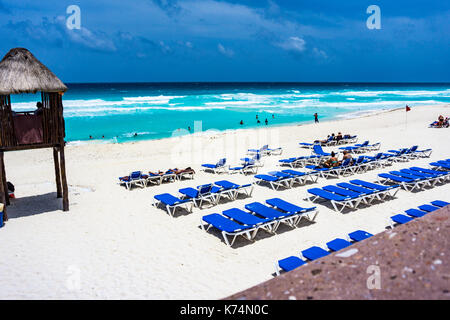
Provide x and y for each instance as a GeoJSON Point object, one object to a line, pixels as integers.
{"type": "Point", "coordinates": [5, 184]}
{"type": "Point", "coordinates": [57, 173]}
{"type": "Point", "coordinates": [63, 178]}
{"type": "Point", "coordinates": [2, 188]}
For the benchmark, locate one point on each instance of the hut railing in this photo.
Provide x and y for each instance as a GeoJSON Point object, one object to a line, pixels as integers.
{"type": "Point", "coordinates": [53, 130]}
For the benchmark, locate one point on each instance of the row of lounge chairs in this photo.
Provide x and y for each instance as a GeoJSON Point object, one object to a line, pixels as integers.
{"type": "Point", "coordinates": [138, 178]}
{"type": "Point", "coordinates": [352, 194]}
{"type": "Point", "coordinates": [210, 193]}
{"type": "Point", "coordinates": [285, 178]}
{"type": "Point", "coordinates": [330, 141]}
{"type": "Point", "coordinates": [236, 222]}
{"type": "Point", "coordinates": [417, 213]}
{"type": "Point", "coordinates": [362, 163]}
{"type": "Point", "coordinates": [315, 252]}
{"type": "Point", "coordinates": [414, 178]}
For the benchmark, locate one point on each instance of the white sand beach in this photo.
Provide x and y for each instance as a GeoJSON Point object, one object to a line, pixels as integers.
{"type": "Point", "coordinates": [113, 244]}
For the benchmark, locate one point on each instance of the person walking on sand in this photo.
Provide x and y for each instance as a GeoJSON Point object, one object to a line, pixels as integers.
{"type": "Point", "coordinates": [316, 118]}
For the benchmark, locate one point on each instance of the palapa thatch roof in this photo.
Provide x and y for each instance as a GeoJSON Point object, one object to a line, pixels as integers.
{"type": "Point", "coordinates": [21, 72]}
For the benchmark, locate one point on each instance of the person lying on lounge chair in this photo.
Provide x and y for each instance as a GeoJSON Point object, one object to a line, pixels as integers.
{"type": "Point", "coordinates": [346, 155]}
{"type": "Point", "coordinates": [332, 162]}
{"type": "Point", "coordinates": [329, 138]}
{"type": "Point", "coordinates": [179, 171]}
{"type": "Point", "coordinates": [156, 173]}
{"type": "Point", "coordinates": [338, 137]}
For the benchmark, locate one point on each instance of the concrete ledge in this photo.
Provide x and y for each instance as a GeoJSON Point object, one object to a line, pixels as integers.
{"type": "Point", "coordinates": [413, 261]}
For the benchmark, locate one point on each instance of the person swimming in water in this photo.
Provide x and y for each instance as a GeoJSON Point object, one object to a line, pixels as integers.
{"type": "Point", "coordinates": [241, 123]}
{"type": "Point", "coordinates": [267, 122]}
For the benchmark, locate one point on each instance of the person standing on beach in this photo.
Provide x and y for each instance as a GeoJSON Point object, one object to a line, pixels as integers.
{"type": "Point", "coordinates": [316, 118]}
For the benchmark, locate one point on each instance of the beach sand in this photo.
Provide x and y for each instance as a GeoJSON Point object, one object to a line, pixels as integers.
{"type": "Point", "coordinates": [113, 244]}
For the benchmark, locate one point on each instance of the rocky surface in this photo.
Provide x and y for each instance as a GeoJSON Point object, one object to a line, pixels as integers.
{"type": "Point", "coordinates": [410, 261]}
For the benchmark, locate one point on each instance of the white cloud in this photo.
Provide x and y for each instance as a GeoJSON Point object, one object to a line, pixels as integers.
{"type": "Point", "coordinates": [225, 51]}
{"type": "Point", "coordinates": [320, 53]}
{"type": "Point", "coordinates": [295, 44]}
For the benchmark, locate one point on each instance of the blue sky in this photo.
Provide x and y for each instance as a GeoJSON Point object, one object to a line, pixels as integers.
{"type": "Point", "coordinates": [249, 40]}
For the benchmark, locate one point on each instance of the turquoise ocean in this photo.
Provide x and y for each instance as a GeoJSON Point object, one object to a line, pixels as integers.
{"type": "Point", "coordinates": [118, 111]}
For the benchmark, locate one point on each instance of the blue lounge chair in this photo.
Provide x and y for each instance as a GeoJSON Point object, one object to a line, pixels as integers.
{"type": "Point", "coordinates": [384, 191]}
{"type": "Point", "coordinates": [335, 199]}
{"type": "Point", "coordinates": [415, 213]}
{"type": "Point", "coordinates": [248, 167]}
{"type": "Point", "coordinates": [431, 177]}
{"type": "Point", "coordinates": [274, 182]}
{"type": "Point", "coordinates": [370, 193]}
{"type": "Point", "coordinates": [317, 149]}
{"type": "Point", "coordinates": [359, 235]}
{"type": "Point", "coordinates": [265, 150]}
{"type": "Point", "coordinates": [288, 264]}
{"type": "Point", "coordinates": [407, 183]}
{"type": "Point", "coordinates": [270, 213]}
{"type": "Point", "coordinates": [314, 253]}
{"type": "Point", "coordinates": [428, 208]}
{"type": "Point", "coordinates": [171, 202]}
{"type": "Point", "coordinates": [134, 178]}
{"type": "Point", "coordinates": [338, 244]}
{"type": "Point", "coordinates": [440, 203]}
{"type": "Point", "coordinates": [227, 227]}
{"type": "Point", "coordinates": [420, 180]}
{"type": "Point", "coordinates": [444, 174]}
{"type": "Point", "coordinates": [215, 168]}
{"type": "Point", "coordinates": [307, 145]}
{"type": "Point", "coordinates": [203, 193]}
{"type": "Point", "coordinates": [441, 165]}
{"type": "Point", "coordinates": [246, 218]}
{"type": "Point", "coordinates": [290, 208]}
{"type": "Point", "coordinates": [235, 189]}
{"type": "Point", "coordinates": [302, 176]}
{"type": "Point", "coordinates": [329, 142]}
{"type": "Point", "coordinates": [400, 219]}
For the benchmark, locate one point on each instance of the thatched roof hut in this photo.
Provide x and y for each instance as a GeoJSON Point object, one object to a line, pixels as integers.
{"type": "Point", "coordinates": [21, 72]}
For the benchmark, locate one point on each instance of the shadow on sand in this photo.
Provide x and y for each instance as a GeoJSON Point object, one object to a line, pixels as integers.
{"type": "Point", "coordinates": [29, 206]}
